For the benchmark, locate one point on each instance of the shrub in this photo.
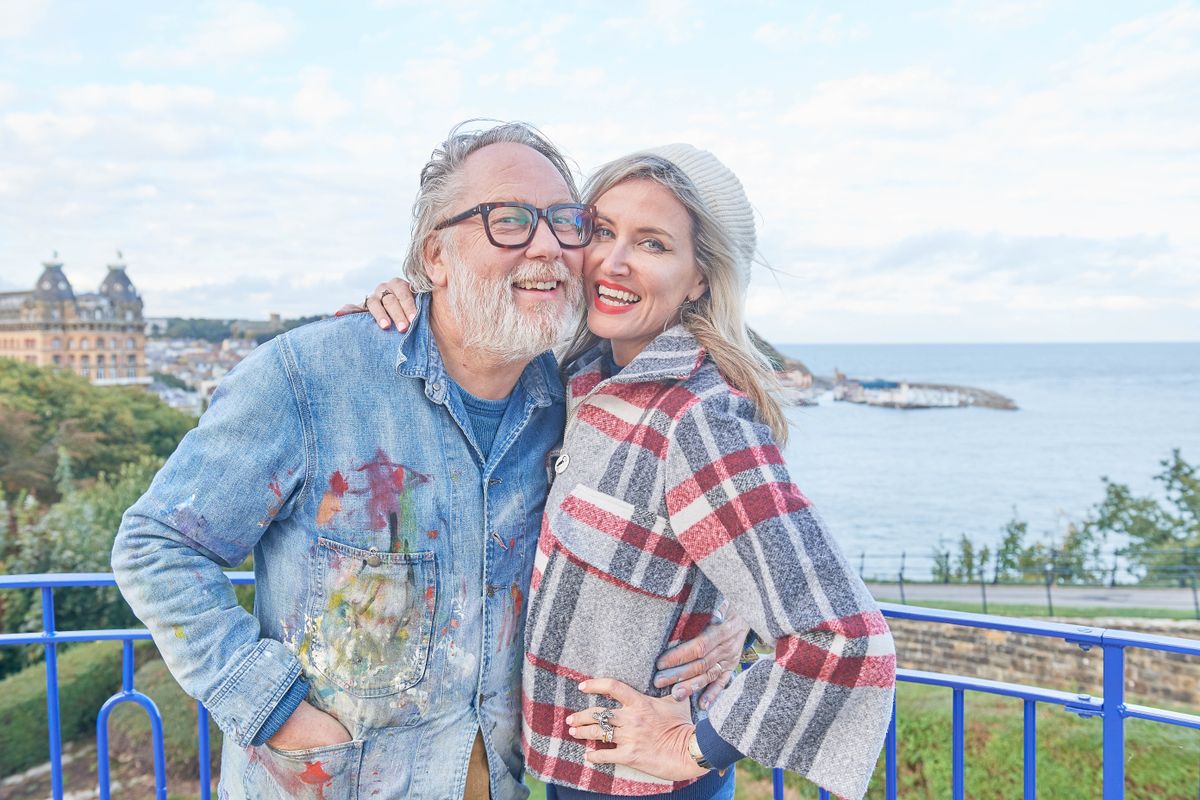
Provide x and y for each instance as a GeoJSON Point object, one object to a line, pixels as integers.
{"type": "Point", "coordinates": [129, 727]}
{"type": "Point", "coordinates": [88, 675]}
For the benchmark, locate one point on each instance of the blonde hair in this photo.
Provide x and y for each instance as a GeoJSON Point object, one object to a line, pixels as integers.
{"type": "Point", "coordinates": [718, 318]}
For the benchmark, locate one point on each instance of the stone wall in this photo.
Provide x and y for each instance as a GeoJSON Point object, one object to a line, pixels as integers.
{"type": "Point", "coordinates": [1152, 677]}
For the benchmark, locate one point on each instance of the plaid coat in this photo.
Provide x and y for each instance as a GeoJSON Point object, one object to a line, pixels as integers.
{"type": "Point", "coordinates": [670, 495]}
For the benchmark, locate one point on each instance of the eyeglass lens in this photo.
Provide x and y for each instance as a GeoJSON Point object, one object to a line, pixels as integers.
{"type": "Point", "coordinates": [513, 225]}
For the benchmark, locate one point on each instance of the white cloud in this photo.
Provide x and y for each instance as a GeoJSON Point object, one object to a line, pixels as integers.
{"type": "Point", "coordinates": [47, 129]}
{"type": "Point", "coordinates": [138, 97]}
{"type": "Point", "coordinates": [235, 32]}
{"type": "Point", "coordinates": [317, 102]}
{"type": "Point", "coordinates": [815, 28]}
{"type": "Point", "coordinates": [18, 18]}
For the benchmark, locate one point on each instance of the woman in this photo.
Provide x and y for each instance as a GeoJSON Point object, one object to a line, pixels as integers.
{"type": "Point", "coordinates": [670, 494]}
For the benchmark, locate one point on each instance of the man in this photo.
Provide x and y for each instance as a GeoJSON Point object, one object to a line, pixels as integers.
{"type": "Point", "coordinates": [391, 490]}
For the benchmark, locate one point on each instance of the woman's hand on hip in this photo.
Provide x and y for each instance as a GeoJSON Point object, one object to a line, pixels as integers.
{"type": "Point", "coordinates": [649, 733]}
{"type": "Point", "coordinates": [391, 303]}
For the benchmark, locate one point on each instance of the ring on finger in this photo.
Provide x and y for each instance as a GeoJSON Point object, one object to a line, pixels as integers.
{"type": "Point", "coordinates": [608, 734]}
{"type": "Point", "coordinates": [603, 717]}
{"type": "Point", "coordinates": [385, 293]}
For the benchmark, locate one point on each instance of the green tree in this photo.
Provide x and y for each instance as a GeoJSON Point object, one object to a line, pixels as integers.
{"type": "Point", "coordinates": [73, 535]}
{"type": "Point", "coordinates": [101, 427]}
{"type": "Point", "coordinates": [1163, 536]}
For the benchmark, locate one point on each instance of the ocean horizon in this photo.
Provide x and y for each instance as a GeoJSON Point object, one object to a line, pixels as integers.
{"type": "Point", "coordinates": [904, 481]}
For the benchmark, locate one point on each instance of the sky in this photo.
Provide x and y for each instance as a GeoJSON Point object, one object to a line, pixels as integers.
{"type": "Point", "coordinates": [1010, 170]}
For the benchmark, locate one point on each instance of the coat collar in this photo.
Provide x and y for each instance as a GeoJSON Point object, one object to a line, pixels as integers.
{"type": "Point", "coordinates": [672, 355]}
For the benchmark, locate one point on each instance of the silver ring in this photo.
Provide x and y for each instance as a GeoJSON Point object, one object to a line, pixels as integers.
{"type": "Point", "coordinates": [603, 717]}
{"type": "Point", "coordinates": [608, 734]}
{"type": "Point", "coordinates": [720, 667]}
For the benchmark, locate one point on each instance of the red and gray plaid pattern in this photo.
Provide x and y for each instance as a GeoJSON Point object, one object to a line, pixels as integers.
{"type": "Point", "coordinates": [673, 497]}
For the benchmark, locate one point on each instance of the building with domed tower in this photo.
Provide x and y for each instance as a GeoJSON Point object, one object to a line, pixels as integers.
{"type": "Point", "coordinates": [99, 335]}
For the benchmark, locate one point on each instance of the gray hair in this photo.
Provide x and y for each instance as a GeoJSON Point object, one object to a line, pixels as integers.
{"type": "Point", "coordinates": [441, 182]}
{"type": "Point", "coordinates": [718, 318]}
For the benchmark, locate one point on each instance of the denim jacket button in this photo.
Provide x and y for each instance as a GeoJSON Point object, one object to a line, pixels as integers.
{"type": "Point", "coordinates": [374, 560]}
{"type": "Point", "coordinates": [560, 465]}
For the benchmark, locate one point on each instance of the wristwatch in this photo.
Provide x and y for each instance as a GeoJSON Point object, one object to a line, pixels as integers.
{"type": "Point", "coordinates": [696, 753]}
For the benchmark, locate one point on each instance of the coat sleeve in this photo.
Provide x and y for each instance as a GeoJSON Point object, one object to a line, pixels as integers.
{"type": "Point", "coordinates": [241, 469]}
{"type": "Point", "coordinates": [822, 705]}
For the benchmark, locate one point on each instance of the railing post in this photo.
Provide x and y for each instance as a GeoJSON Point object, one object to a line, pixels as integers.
{"type": "Point", "coordinates": [52, 710]}
{"type": "Point", "coordinates": [1030, 734]}
{"type": "Point", "coordinates": [891, 778]}
{"type": "Point", "coordinates": [1049, 580]}
{"type": "Point", "coordinates": [777, 783]}
{"type": "Point", "coordinates": [205, 751]}
{"type": "Point", "coordinates": [957, 745]}
{"type": "Point", "coordinates": [901, 578]}
{"type": "Point", "coordinates": [1114, 722]}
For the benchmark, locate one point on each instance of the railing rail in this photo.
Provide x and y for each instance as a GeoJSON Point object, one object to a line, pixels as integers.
{"type": "Point", "coordinates": [1111, 708]}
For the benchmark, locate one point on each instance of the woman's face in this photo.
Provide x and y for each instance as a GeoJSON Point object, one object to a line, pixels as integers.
{"type": "Point", "coordinates": [640, 267]}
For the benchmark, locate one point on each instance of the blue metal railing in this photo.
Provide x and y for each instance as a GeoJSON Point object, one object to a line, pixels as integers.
{"type": "Point", "coordinates": [1111, 708]}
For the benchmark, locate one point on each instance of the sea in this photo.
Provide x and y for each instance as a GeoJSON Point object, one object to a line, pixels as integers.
{"type": "Point", "coordinates": [894, 484]}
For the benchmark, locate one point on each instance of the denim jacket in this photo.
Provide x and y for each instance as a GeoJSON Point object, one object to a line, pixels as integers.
{"type": "Point", "coordinates": [391, 560]}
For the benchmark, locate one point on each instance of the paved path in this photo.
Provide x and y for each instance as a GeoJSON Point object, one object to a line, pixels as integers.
{"type": "Point", "coordinates": [1077, 596]}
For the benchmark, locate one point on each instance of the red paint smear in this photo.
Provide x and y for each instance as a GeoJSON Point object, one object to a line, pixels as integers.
{"type": "Point", "coordinates": [453, 623]}
{"type": "Point", "coordinates": [429, 594]}
{"type": "Point", "coordinates": [276, 488]}
{"type": "Point", "coordinates": [337, 484]}
{"type": "Point", "coordinates": [386, 480]}
{"type": "Point", "coordinates": [315, 775]}
{"type": "Point", "coordinates": [432, 534]}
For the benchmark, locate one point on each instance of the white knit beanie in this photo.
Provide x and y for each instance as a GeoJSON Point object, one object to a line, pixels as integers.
{"type": "Point", "coordinates": [722, 192]}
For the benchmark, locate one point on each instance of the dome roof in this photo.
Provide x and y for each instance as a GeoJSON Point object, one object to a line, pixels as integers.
{"type": "Point", "coordinates": [53, 285]}
{"type": "Point", "coordinates": [116, 284]}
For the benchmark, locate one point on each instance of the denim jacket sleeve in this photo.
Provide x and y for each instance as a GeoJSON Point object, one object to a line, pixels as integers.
{"type": "Point", "coordinates": [244, 467]}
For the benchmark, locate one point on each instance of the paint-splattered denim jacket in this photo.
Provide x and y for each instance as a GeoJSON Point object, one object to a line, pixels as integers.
{"type": "Point", "coordinates": [391, 562]}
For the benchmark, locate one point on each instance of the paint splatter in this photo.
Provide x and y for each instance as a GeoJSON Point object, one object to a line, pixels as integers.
{"type": "Point", "coordinates": [512, 621]}
{"type": "Point", "coordinates": [433, 534]}
{"type": "Point", "coordinates": [387, 482]}
{"type": "Point", "coordinates": [179, 634]}
{"type": "Point", "coordinates": [331, 503]}
{"type": "Point", "coordinates": [315, 775]}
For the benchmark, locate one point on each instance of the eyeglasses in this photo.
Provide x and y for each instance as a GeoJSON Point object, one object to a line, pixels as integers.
{"type": "Point", "coordinates": [513, 224]}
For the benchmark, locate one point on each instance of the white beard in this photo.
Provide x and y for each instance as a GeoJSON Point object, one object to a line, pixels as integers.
{"type": "Point", "coordinates": [489, 320]}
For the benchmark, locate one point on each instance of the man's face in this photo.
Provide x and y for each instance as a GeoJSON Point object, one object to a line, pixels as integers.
{"type": "Point", "coordinates": [514, 302]}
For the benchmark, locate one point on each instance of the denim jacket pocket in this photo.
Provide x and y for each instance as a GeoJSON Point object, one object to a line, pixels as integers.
{"type": "Point", "coordinates": [328, 773]}
{"type": "Point", "coordinates": [370, 617]}
{"type": "Point", "coordinates": [632, 545]}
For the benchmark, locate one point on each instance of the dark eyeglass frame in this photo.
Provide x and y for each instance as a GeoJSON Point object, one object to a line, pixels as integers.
{"type": "Point", "coordinates": [484, 209]}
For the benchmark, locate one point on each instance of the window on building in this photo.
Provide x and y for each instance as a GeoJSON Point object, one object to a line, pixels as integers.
{"type": "Point", "coordinates": [99, 343]}
{"type": "Point", "coordinates": [112, 344]}
{"type": "Point", "coordinates": [58, 361]}
{"type": "Point", "coordinates": [30, 344]}
{"type": "Point", "coordinates": [99, 366]}
{"type": "Point", "coordinates": [70, 344]}
{"type": "Point", "coordinates": [84, 344]}
{"type": "Point", "coordinates": [129, 316]}
{"type": "Point", "coordinates": [56, 343]}
{"type": "Point", "coordinates": [129, 344]}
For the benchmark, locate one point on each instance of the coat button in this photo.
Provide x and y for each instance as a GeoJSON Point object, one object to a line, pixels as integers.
{"type": "Point", "coordinates": [560, 465]}
{"type": "Point", "coordinates": [374, 560]}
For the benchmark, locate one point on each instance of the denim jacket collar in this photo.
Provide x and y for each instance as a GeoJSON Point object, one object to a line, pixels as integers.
{"type": "Point", "coordinates": [418, 356]}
